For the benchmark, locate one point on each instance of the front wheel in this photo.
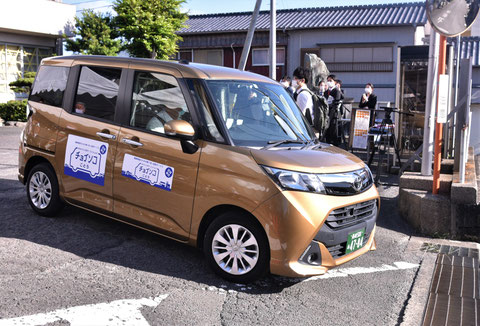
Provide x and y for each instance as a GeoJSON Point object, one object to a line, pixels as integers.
{"type": "Point", "coordinates": [236, 248]}
{"type": "Point", "coordinates": [42, 191]}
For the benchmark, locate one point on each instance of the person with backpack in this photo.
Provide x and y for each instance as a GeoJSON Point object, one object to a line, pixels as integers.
{"type": "Point", "coordinates": [302, 95]}
{"type": "Point", "coordinates": [313, 106]}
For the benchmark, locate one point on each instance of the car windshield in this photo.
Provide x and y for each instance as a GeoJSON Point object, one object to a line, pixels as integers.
{"type": "Point", "coordinates": [257, 114]}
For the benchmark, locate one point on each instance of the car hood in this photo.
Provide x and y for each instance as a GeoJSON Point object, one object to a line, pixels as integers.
{"type": "Point", "coordinates": [327, 159]}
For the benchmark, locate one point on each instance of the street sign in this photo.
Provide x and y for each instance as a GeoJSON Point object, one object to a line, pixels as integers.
{"type": "Point", "coordinates": [442, 110]}
{"type": "Point", "coordinates": [452, 17]}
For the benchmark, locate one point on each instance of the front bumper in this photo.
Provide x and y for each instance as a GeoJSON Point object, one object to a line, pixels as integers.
{"type": "Point", "coordinates": [298, 222]}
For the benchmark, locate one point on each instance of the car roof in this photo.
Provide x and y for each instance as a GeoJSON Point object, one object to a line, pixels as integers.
{"type": "Point", "coordinates": [187, 69]}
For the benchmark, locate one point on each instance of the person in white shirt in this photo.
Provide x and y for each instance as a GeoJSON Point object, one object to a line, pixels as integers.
{"type": "Point", "coordinates": [302, 94]}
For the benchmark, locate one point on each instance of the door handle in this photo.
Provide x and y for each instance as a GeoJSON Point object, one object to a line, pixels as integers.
{"type": "Point", "coordinates": [105, 135]}
{"type": "Point", "coordinates": [132, 142]}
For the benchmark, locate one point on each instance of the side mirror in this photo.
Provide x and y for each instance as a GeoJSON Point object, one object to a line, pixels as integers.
{"type": "Point", "coordinates": [179, 128]}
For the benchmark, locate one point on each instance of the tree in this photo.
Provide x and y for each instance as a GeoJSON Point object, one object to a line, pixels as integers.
{"type": "Point", "coordinates": [148, 27]}
{"type": "Point", "coordinates": [23, 85]}
{"type": "Point", "coordinates": [97, 35]}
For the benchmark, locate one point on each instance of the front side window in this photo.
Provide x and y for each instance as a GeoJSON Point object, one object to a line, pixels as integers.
{"type": "Point", "coordinates": [257, 114]}
{"type": "Point", "coordinates": [49, 85]}
{"type": "Point", "coordinates": [97, 92]}
{"type": "Point", "coordinates": [157, 99]}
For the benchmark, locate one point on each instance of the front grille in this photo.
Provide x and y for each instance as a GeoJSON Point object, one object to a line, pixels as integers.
{"type": "Point", "coordinates": [351, 215]}
{"type": "Point", "coordinates": [338, 251]}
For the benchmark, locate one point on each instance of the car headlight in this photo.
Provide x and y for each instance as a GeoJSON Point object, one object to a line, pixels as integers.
{"type": "Point", "coordinates": [347, 183]}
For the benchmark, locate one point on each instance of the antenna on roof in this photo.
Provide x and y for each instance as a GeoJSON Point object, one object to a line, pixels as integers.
{"type": "Point", "coordinates": [184, 61]}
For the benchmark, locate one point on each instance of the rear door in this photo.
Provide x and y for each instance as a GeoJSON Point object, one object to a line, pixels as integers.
{"type": "Point", "coordinates": [154, 181]}
{"type": "Point", "coordinates": [88, 134]}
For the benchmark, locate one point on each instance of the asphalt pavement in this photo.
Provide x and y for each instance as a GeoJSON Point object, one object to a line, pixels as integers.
{"type": "Point", "coordinates": [85, 269]}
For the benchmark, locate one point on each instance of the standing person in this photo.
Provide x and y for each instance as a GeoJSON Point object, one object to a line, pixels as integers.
{"type": "Point", "coordinates": [334, 97]}
{"type": "Point", "coordinates": [369, 100]}
{"type": "Point", "coordinates": [333, 94]}
{"type": "Point", "coordinates": [322, 88]}
{"type": "Point", "coordinates": [286, 82]}
{"type": "Point", "coordinates": [302, 94]}
{"type": "Point", "coordinates": [320, 121]}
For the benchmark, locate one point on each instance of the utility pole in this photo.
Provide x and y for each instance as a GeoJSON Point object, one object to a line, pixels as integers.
{"type": "Point", "coordinates": [248, 40]}
{"type": "Point", "coordinates": [273, 40]}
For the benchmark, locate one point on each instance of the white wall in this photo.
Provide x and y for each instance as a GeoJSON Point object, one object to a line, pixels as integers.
{"type": "Point", "coordinates": [475, 130]}
{"type": "Point", "coordinates": [385, 81]}
{"type": "Point", "coordinates": [37, 16]}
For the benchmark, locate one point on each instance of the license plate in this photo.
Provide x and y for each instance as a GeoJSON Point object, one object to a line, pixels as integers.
{"type": "Point", "coordinates": [355, 241]}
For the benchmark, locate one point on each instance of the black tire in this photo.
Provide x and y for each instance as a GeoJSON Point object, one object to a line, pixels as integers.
{"type": "Point", "coordinates": [247, 228]}
{"type": "Point", "coordinates": [44, 172]}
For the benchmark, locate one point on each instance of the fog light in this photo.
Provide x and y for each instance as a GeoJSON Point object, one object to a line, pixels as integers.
{"type": "Point", "coordinates": [312, 255]}
{"type": "Point", "coordinates": [312, 258]}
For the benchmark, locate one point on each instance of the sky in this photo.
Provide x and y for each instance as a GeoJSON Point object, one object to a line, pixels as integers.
{"type": "Point", "coordinates": [196, 7]}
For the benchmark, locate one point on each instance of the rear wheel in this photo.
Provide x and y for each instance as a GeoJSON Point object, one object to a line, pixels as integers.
{"type": "Point", "coordinates": [236, 248]}
{"type": "Point", "coordinates": [42, 191]}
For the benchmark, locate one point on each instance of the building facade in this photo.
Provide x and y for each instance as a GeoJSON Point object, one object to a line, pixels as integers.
{"type": "Point", "coordinates": [358, 43]}
{"type": "Point", "coordinates": [384, 44]}
{"type": "Point", "coordinates": [30, 30]}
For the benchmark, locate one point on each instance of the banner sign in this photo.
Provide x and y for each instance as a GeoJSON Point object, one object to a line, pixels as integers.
{"type": "Point", "coordinates": [360, 131]}
{"type": "Point", "coordinates": [149, 172]}
{"type": "Point", "coordinates": [85, 159]}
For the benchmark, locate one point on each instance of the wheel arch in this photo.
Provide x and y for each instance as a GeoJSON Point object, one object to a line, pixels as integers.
{"type": "Point", "coordinates": [33, 161]}
{"type": "Point", "coordinates": [215, 212]}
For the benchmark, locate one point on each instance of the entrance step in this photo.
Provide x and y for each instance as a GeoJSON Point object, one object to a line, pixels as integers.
{"type": "Point", "coordinates": [414, 180]}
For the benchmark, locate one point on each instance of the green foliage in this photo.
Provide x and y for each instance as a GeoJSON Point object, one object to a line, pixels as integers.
{"type": "Point", "coordinates": [14, 110]}
{"type": "Point", "coordinates": [148, 27]}
{"type": "Point", "coordinates": [97, 35]}
{"type": "Point", "coordinates": [23, 85]}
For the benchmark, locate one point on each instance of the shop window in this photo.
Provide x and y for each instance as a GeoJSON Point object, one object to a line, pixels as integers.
{"type": "Point", "coordinates": [185, 55]}
{"type": "Point", "coordinates": [261, 57]}
{"type": "Point", "coordinates": [211, 57]}
{"type": "Point", "coordinates": [349, 59]}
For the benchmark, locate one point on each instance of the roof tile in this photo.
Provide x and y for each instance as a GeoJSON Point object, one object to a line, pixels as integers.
{"type": "Point", "coordinates": [327, 17]}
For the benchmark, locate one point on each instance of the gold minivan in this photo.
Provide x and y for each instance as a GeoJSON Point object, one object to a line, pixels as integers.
{"type": "Point", "coordinates": [214, 157]}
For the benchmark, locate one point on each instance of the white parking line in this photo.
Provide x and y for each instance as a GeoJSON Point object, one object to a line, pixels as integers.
{"type": "Point", "coordinates": [344, 272]}
{"type": "Point", "coordinates": [119, 312]}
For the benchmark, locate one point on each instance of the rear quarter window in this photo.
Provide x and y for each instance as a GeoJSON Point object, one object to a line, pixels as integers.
{"type": "Point", "coordinates": [49, 85]}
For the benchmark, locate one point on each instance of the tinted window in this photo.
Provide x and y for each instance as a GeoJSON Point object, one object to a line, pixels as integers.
{"type": "Point", "coordinates": [157, 99]}
{"type": "Point", "coordinates": [97, 92]}
{"type": "Point", "coordinates": [50, 85]}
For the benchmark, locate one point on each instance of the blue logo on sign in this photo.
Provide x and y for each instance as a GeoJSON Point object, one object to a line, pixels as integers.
{"type": "Point", "coordinates": [103, 149]}
{"type": "Point", "coordinates": [168, 172]}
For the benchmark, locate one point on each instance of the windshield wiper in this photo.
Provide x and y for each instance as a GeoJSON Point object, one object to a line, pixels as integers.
{"type": "Point", "coordinates": [274, 143]}
{"type": "Point", "coordinates": [311, 142]}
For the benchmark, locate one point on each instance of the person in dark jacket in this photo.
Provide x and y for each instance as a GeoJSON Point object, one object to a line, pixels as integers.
{"type": "Point", "coordinates": [332, 94]}
{"type": "Point", "coordinates": [369, 101]}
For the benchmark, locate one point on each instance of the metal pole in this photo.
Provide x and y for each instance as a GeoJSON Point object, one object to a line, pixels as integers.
{"type": "Point", "coordinates": [397, 101]}
{"type": "Point", "coordinates": [457, 68]}
{"type": "Point", "coordinates": [273, 40]}
{"type": "Point", "coordinates": [457, 73]}
{"type": "Point", "coordinates": [248, 40]}
{"type": "Point", "coordinates": [448, 127]}
{"type": "Point", "coordinates": [430, 104]}
{"type": "Point", "coordinates": [437, 162]}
